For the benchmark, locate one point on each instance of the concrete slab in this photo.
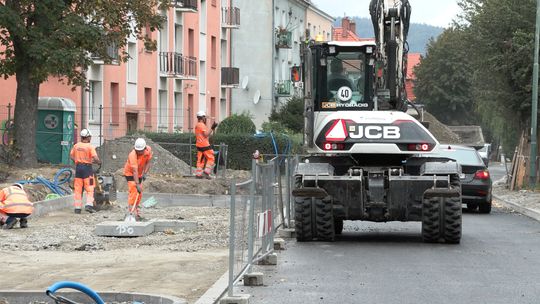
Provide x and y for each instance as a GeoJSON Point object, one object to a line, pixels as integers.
{"type": "Point", "coordinates": [161, 225]}
{"type": "Point", "coordinates": [124, 229]}
{"type": "Point", "coordinates": [43, 207]}
{"type": "Point", "coordinates": [270, 259]}
{"type": "Point", "coordinates": [287, 233]}
{"type": "Point", "coordinates": [279, 244]}
{"type": "Point", "coordinates": [239, 299]}
{"type": "Point", "coordinates": [253, 279]}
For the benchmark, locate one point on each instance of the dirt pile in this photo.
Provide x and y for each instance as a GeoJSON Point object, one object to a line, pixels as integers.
{"type": "Point", "coordinates": [170, 183]}
{"type": "Point", "coordinates": [115, 152]}
{"type": "Point", "coordinates": [36, 192]}
{"type": "Point", "coordinates": [441, 131]}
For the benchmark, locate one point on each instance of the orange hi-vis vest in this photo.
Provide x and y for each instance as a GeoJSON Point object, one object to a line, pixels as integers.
{"type": "Point", "coordinates": [137, 162]}
{"type": "Point", "coordinates": [14, 200]}
{"type": "Point", "coordinates": [201, 140]}
{"type": "Point", "coordinates": [83, 153]}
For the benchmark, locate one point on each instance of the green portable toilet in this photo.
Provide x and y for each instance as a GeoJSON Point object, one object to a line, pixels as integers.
{"type": "Point", "coordinates": [55, 127]}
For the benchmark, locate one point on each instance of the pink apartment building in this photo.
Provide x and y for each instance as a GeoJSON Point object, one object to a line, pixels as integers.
{"type": "Point", "coordinates": [161, 90]}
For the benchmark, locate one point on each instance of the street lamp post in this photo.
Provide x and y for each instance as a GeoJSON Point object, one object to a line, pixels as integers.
{"type": "Point", "coordinates": [534, 148]}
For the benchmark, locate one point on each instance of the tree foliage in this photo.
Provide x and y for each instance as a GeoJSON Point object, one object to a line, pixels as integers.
{"type": "Point", "coordinates": [290, 116]}
{"type": "Point", "coordinates": [444, 79]}
{"type": "Point", "coordinates": [43, 38]}
{"type": "Point", "coordinates": [492, 45]}
{"type": "Point", "coordinates": [237, 124]}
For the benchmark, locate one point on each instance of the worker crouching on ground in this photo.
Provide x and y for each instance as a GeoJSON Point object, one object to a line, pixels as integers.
{"type": "Point", "coordinates": [135, 170]}
{"type": "Point", "coordinates": [84, 155]}
{"type": "Point", "coordinates": [205, 153]}
{"type": "Point", "coordinates": [14, 204]}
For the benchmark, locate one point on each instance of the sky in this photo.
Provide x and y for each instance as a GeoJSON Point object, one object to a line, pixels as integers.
{"type": "Point", "coordinates": [432, 12]}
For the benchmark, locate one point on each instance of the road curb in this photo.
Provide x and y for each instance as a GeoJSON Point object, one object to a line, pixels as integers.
{"type": "Point", "coordinates": [214, 293]}
{"type": "Point", "coordinates": [534, 214]}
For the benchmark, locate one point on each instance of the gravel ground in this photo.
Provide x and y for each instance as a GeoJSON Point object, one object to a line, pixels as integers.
{"type": "Point", "coordinates": [61, 246]}
{"type": "Point", "coordinates": [65, 231]}
{"type": "Point", "coordinates": [525, 198]}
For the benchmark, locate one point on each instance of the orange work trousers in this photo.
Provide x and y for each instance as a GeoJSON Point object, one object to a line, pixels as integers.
{"type": "Point", "coordinates": [206, 161]}
{"type": "Point", "coordinates": [134, 197]}
{"type": "Point", "coordinates": [88, 184]}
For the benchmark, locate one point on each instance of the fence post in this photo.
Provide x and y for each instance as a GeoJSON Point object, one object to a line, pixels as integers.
{"type": "Point", "coordinates": [190, 151]}
{"type": "Point", "coordinates": [288, 190]}
{"type": "Point", "coordinates": [272, 198]}
{"type": "Point", "coordinates": [251, 211]}
{"type": "Point", "coordinates": [232, 237]}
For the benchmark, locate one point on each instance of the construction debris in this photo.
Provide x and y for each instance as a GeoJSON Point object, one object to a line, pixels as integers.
{"type": "Point", "coordinates": [442, 132]}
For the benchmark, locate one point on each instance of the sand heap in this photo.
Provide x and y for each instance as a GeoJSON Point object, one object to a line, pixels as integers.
{"type": "Point", "coordinates": [441, 131]}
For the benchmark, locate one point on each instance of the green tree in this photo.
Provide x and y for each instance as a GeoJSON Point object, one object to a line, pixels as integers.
{"type": "Point", "coordinates": [444, 78]}
{"type": "Point", "coordinates": [291, 115]}
{"type": "Point", "coordinates": [501, 47]}
{"type": "Point", "coordinates": [43, 38]}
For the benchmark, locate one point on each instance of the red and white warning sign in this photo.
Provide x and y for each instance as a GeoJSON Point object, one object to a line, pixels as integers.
{"type": "Point", "coordinates": [264, 223]}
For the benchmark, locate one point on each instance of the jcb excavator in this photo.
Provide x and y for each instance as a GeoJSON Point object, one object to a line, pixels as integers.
{"type": "Point", "coordinates": [368, 159]}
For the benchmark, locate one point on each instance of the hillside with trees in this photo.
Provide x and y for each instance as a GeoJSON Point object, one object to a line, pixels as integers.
{"type": "Point", "coordinates": [419, 34]}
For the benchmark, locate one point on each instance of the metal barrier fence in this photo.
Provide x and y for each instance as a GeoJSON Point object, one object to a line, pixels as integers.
{"type": "Point", "coordinates": [259, 207]}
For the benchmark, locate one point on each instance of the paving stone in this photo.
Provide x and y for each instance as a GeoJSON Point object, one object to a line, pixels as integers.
{"type": "Point", "coordinates": [161, 225]}
{"type": "Point", "coordinates": [124, 229]}
{"type": "Point", "coordinates": [253, 279]}
{"type": "Point", "coordinates": [240, 299]}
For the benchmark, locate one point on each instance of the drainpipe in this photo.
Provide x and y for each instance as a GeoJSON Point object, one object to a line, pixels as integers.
{"type": "Point", "coordinates": [274, 102]}
{"type": "Point", "coordinates": [83, 100]}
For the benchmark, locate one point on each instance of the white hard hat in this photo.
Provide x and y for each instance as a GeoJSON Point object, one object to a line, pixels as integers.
{"type": "Point", "coordinates": [18, 185]}
{"type": "Point", "coordinates": [140, 144]}
{"type": "Point", "coordinates": [201, 114]}
{"type": "Point", "coordinates": [85, 133]}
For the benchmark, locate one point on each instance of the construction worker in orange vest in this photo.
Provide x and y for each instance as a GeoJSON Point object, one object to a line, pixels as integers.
{"type": "Point", "coordinates": [84, 155]}
{"type": "Point", "coordinates": [204, 150]}
{"type": "Point", "coordinates": [135, 170]}
{"type": "Point", "coordinates": [14, 204]}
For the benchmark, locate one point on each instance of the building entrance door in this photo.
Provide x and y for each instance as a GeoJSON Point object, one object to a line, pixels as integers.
{"type": "Point", "coordinates": [131, 119]}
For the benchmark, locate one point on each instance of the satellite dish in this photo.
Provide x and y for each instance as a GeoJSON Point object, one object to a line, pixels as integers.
{"type": "Point", "coordinates": [245, 82]}
{"type": "Point", "coordinates": [257, 97]}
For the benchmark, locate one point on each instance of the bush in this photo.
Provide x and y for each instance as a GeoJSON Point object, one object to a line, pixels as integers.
{"type": "Point", "coordinates": [237, 124]}
{"type": "Point", "coordinates": [291, 115]}
{"type": "Point", "coordinates": [240, 146]}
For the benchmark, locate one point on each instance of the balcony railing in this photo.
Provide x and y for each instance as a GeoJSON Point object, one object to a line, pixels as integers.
{"type": "Point", "coordinates": [230, 17]}
{"type": "Point", "coordinates": [189, 6]}
{"type": "Point", "coordinates": [230, 77]}
{"type": "Point", "coordinates": [175, 65]}
{"type": "Point", "coordinates": [283, 88]}
{"type": "Point", "coordinates": [112, 53]}
{"type": "Point", "coordinates": [283, 39]}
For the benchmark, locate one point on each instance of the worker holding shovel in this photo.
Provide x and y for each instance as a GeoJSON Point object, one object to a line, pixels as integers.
{"type": "Point", "coordinates": [135, 169]}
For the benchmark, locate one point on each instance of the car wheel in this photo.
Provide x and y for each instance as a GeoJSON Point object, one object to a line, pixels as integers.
{"type": "Point", "coordinates": [471, 207]}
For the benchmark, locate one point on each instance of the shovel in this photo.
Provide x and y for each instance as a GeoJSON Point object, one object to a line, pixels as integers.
{"type": "Point", "coordinates": [130, 217]}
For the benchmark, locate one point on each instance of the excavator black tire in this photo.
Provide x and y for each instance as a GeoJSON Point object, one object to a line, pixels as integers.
{"type": "Point", "coordinates": [324, 219]}
{"type": "Point", "coordinates": [303, 219]}
{"type": "Point", "coordinates": [441, 218]}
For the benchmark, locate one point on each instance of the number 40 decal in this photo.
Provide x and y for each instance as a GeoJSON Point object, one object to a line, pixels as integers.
{"type": "Point", "coordinates": [344, 94]}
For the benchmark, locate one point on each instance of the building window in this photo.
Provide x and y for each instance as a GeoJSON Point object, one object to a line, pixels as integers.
{"type": "Point", "coordinates": [148, 107]}
{"type": "Point", "coordinates": [213, 108]}
{"type": "Point", "coordinates": [132, 63]}
{"type": "Point", "coordinates": [162, 118]}
{"type": "Point", "coordinates": [191, 42]}
{"type": "Point", "coordinates": [94, 100]}
{"type": "Point", "coordinates": [178, 111]}
{"type": "Point", "coordinates": [115, 103]}
{"type": "Point", "coordinates": [213, 59]}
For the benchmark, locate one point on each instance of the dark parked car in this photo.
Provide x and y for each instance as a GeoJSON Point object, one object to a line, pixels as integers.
{"type": "Point", "coordinates": [475, 177]}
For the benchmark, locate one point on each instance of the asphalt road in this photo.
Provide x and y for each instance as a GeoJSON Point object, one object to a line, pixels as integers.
{"type": "Point", "coordinates": [497, 170]}
{"type": "Point", "coordinates": [498, 261]}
